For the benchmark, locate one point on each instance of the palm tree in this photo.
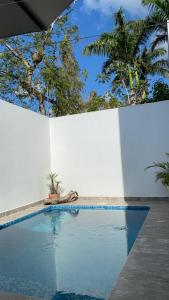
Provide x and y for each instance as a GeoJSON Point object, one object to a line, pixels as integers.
{"type": "Point", "coordinates": [163, 174]}
{"type": "Point", "coordinates": [127, 58]}
{"type": "Point", "coordinates": [134, 78]}
{"type": "Point", "coordinates": [157, 20]}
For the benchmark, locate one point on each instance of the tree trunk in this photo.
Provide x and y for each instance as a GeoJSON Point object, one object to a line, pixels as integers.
{"type": "Point", "coordinates": [132, 97]}
{"type": "Point", "coordinates": [132, 93]}
{"type": "Point", "coordinates": [42, 108]}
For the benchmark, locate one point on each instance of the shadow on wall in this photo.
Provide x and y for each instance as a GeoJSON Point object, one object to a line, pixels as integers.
{"type": "Point", "coordinates": [143, 133]}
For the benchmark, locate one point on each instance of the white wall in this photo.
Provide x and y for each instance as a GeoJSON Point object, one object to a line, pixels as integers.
{"type": "Point", "coordinates": [144, 136]}
{"type": "Point", "coordinates": [24, 156]}
{"type": "Point", "coordinates": [85, 151]}
{"type": "Point", "coordinates": [105, 153]}
{"type": "Point", "coordinates": [97, 154]}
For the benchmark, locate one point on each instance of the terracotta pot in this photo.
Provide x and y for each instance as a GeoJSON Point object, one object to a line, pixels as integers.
{"type": "Point", "coordinates": [54, 196]}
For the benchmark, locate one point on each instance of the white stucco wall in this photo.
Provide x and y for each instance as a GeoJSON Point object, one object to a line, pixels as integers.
{"type": "Point", "coordinates": [24, 156]}
{"type": "Point", "coordinates": [105, 153]}
{"type": "Point", "coordinates": [85, 152]}
{"type": "Point", "coordinates": [98, 154]}
{"type": "Point", "coordinates": [144, 136]}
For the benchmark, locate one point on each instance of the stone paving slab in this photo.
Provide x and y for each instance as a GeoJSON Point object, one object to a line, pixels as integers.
{"type": "Point", "coordinates": [30, 210]}
{"type": "Point", "coordinates": [146, 272]}
{"type": "Point", "coordinates": [19, 214]}
{"type": "Point", "coordinates": [15, 297]}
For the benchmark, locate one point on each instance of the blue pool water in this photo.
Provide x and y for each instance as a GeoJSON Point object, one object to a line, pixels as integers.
{"type": "Point", "coordinates": [68, 253]}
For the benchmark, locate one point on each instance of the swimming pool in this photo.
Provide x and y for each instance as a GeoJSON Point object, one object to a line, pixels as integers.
{"type": "Point", "coordinates": [68, 252]}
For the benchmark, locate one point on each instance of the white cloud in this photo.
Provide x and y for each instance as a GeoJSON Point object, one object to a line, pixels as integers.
{"type": "Point", "coordinates": [106, 7]}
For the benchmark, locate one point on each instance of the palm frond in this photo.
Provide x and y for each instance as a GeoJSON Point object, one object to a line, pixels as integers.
{"type": "Point", "coordinates": [119, 18]}
{"type": "Point", "coordinates": [160, 39]}
{"type": "Point", "coordinates": [103, 46]}
{"type": "Point", "coordinates": [163, 177]}
{"type": "Point", "coordinates": [161, 165]}
{"type": "Point", "coordinates": [163, 173]}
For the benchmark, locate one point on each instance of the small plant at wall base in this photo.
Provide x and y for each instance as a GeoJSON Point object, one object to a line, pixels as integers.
{"type": "Point", "coordinates": [163, 173]}
{"type": "Point", "coordinates": [54, 186]}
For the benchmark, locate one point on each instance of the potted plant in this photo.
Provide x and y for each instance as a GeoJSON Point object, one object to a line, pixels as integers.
{"type": "Point", "coordinates": [54, 186]}
{"type": "Point", "coordinates": [163, 173]}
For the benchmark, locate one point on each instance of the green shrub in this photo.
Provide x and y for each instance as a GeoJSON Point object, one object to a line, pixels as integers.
{"type": "Point", "coordinates": [163, 173]}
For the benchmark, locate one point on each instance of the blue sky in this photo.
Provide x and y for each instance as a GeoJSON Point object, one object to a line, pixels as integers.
{"type": "Point", "coordinates": [94, 17]}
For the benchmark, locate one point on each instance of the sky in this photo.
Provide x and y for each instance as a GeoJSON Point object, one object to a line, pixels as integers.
{"type": "Point", "coordinates": [94, 17]}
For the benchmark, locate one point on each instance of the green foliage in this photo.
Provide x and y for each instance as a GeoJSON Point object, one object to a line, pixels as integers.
{"type": "Point", "coordinates": [40, 71]}
{"type": "Point", "coordinates": [156, 22]}
{"type": "Point", "coordinates": [129, 61]}
{"type": "Point", "coordinates": [54, 185]}
{"type": "Point", "coordinates": [160, 91]}
{"type": "Point", "coordinates": [96, 102]}
{"type": "Point", "coordinates": [114, 102]}
{"type": "Point", "coordinates": [70, 96]}
{"type": "Point", "coordinates": [163, 174]}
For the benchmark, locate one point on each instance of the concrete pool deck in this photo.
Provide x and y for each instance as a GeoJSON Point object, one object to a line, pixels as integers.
{"type": "Point", "coordinates": [146, 272]}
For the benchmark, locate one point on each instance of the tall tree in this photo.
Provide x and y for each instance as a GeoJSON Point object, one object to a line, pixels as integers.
{"type": "Point", "coordinates": [35, 71]}
{"type": "Point", "coordinates": [68, 99]}
{"type": "Point", "coordinates": [128, 59]}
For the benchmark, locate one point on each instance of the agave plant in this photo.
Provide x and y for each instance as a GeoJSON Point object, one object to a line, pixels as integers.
{"type": "Point", "coordinates": [163, 173]}
{"type": "Point", "coordinates": [53, 185]}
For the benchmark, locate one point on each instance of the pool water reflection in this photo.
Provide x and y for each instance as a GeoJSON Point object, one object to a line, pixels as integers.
{"type": "Point", "coordinates": [68, 254]}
